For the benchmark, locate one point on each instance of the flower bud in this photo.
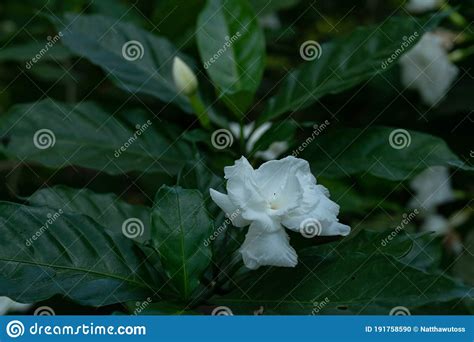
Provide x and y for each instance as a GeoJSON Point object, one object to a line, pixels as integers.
{"type": "Point", "coordinates": [184, 78]}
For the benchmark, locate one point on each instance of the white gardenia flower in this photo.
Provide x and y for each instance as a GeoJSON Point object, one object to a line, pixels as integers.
{"type": "Point", "coordinates": [432, 188]}
{"type": "Point", "coordinates": [427, 68]}
{"type": "Point", "coordinates": [279, 194]}
{"type": "Point", "coordinates": [184, 78]}
{"type": "Point", "coordinates": [7, 305]}
{"type": "Point", "coordinates": [275, 150]}
{"type": "Point", "coordinates": [420, 6]}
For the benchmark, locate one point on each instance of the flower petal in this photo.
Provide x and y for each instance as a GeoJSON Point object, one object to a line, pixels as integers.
{"type": "Point", "coordinates": [261, 248]}
{"type": "Point", "coordinates": [233, 212]}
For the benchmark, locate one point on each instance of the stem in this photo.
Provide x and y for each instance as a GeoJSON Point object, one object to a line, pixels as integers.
{"type": "Point", "coordinates": [460, 54]}
{"type": "Point", "coordinates": [455, 17]}
{"type": "Point", "coordinates": [242, 137]}
{"type": "Point", "coordinates": [200, 110]}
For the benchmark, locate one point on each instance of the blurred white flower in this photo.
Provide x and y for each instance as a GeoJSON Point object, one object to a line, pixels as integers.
{"type": "Point", "coordinates": [276, 149]}
{"type": "Point", "coordinates": [419, 6]}
{"type": "Point", "coordinates": [184, 78]}
{"type": "Point", "coordinates": [279, 194]}
{"type": "Point", "coordinates": [7, 305]}
{"type": "Point", "coordinates": [427, 68]}
{"type": "Point", "coordinates": [435, 223]}
{"type": "Point", "coordinates": [432, 188]}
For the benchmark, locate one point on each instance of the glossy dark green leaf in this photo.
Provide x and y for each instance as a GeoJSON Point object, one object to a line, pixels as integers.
{"type": "Point", "coordinates": [87, 136]}
{"type": "Point", "coordinates": [355, 276]}
{"type": "Point", "coordinates": [44, 252]}
{"type": "Point", "coordinates": [345, 62]}
{"type": "Point", "coordinates": [180, 225]}
{"type": "Point", "coordinates": [136, 60]}
{"type": "Point", "coordinates": [381, 151]}
{"type": "Point", "coordinates": [25, 52]}
{"type": "Point", "coordinates": [232, 49]}
{"type": "Point", "coordinates": [106, 209]}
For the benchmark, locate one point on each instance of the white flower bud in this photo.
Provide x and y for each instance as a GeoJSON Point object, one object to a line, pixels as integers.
{"type": "Point", "coordinates": [184, 78]}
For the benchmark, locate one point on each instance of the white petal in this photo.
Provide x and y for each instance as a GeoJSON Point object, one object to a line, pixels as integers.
{"type": "Point", "coordinates": [432, 188]}
{"type": "Point", "coordinates": [267, 249]}
{"type": "Point", "coordinates": [241, 186]}
{"type": "Point", "coordinates": [274, 150]}
{"type": "Point", "coordinates": [435, 223]}
{"type": "Point", "coordinates": [233, 212]}
{"type": "Point", "coordinates": [427, 68]}
{"type": "Point", "coordinates": [419, 6]}
{"type": "Point", "coordinates": [184, 78]}
{"type": "Point", "coordinates": [257, 134]}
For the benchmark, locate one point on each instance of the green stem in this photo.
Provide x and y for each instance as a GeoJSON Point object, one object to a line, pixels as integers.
{"type": "Point", "coordinates": [455, 17]}
{"type": "Point", "coordinates": [460, 54]}
{"type": "Point", "coordinates": [200, 110]}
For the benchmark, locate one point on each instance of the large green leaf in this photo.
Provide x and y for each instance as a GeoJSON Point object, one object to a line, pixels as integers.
{"type": "Point", "coordinates": [87, 136]}
{"type": "Point", "coordinates": [136, 60]}
{"type": "Point", "coordinates": [180, 225]}
{"type": "Point", "coordinates": [346, 62]}
{"type": "Point", "coordinates": [347, 151]}
{"type": "Point", "coordinates": [359, 275]}
{"type": "Point", "coordinates": [232, 49]}
{"type": "Point", "coordinates": [46, 252]}
{"type": "Point", "coordinates": [106, 209]}
{"type": "Point", "coordinates": [25, 52]}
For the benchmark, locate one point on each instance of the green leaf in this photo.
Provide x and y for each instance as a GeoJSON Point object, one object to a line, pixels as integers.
{"type": "Point", "coordinates": [348, 151]}
{"type": "Point", "coordinates": [269, 6]}
{"type": "Point", "coordinates": [44, 252]}
{"type": "Point", "coordinates": [232, 49]}
{"type": "Point", "coordinates": [180, 225]}
{"type": "Point", "coordinates": [106, 209]}
{"type": "Point", "coordinates": [87, 136]}
{"type": "Point", "coordinates": [355, 276]}
{"type": "Point", "coordinates": [137, 61]}
{"type": "Point", "coordinates": [345, 62]}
